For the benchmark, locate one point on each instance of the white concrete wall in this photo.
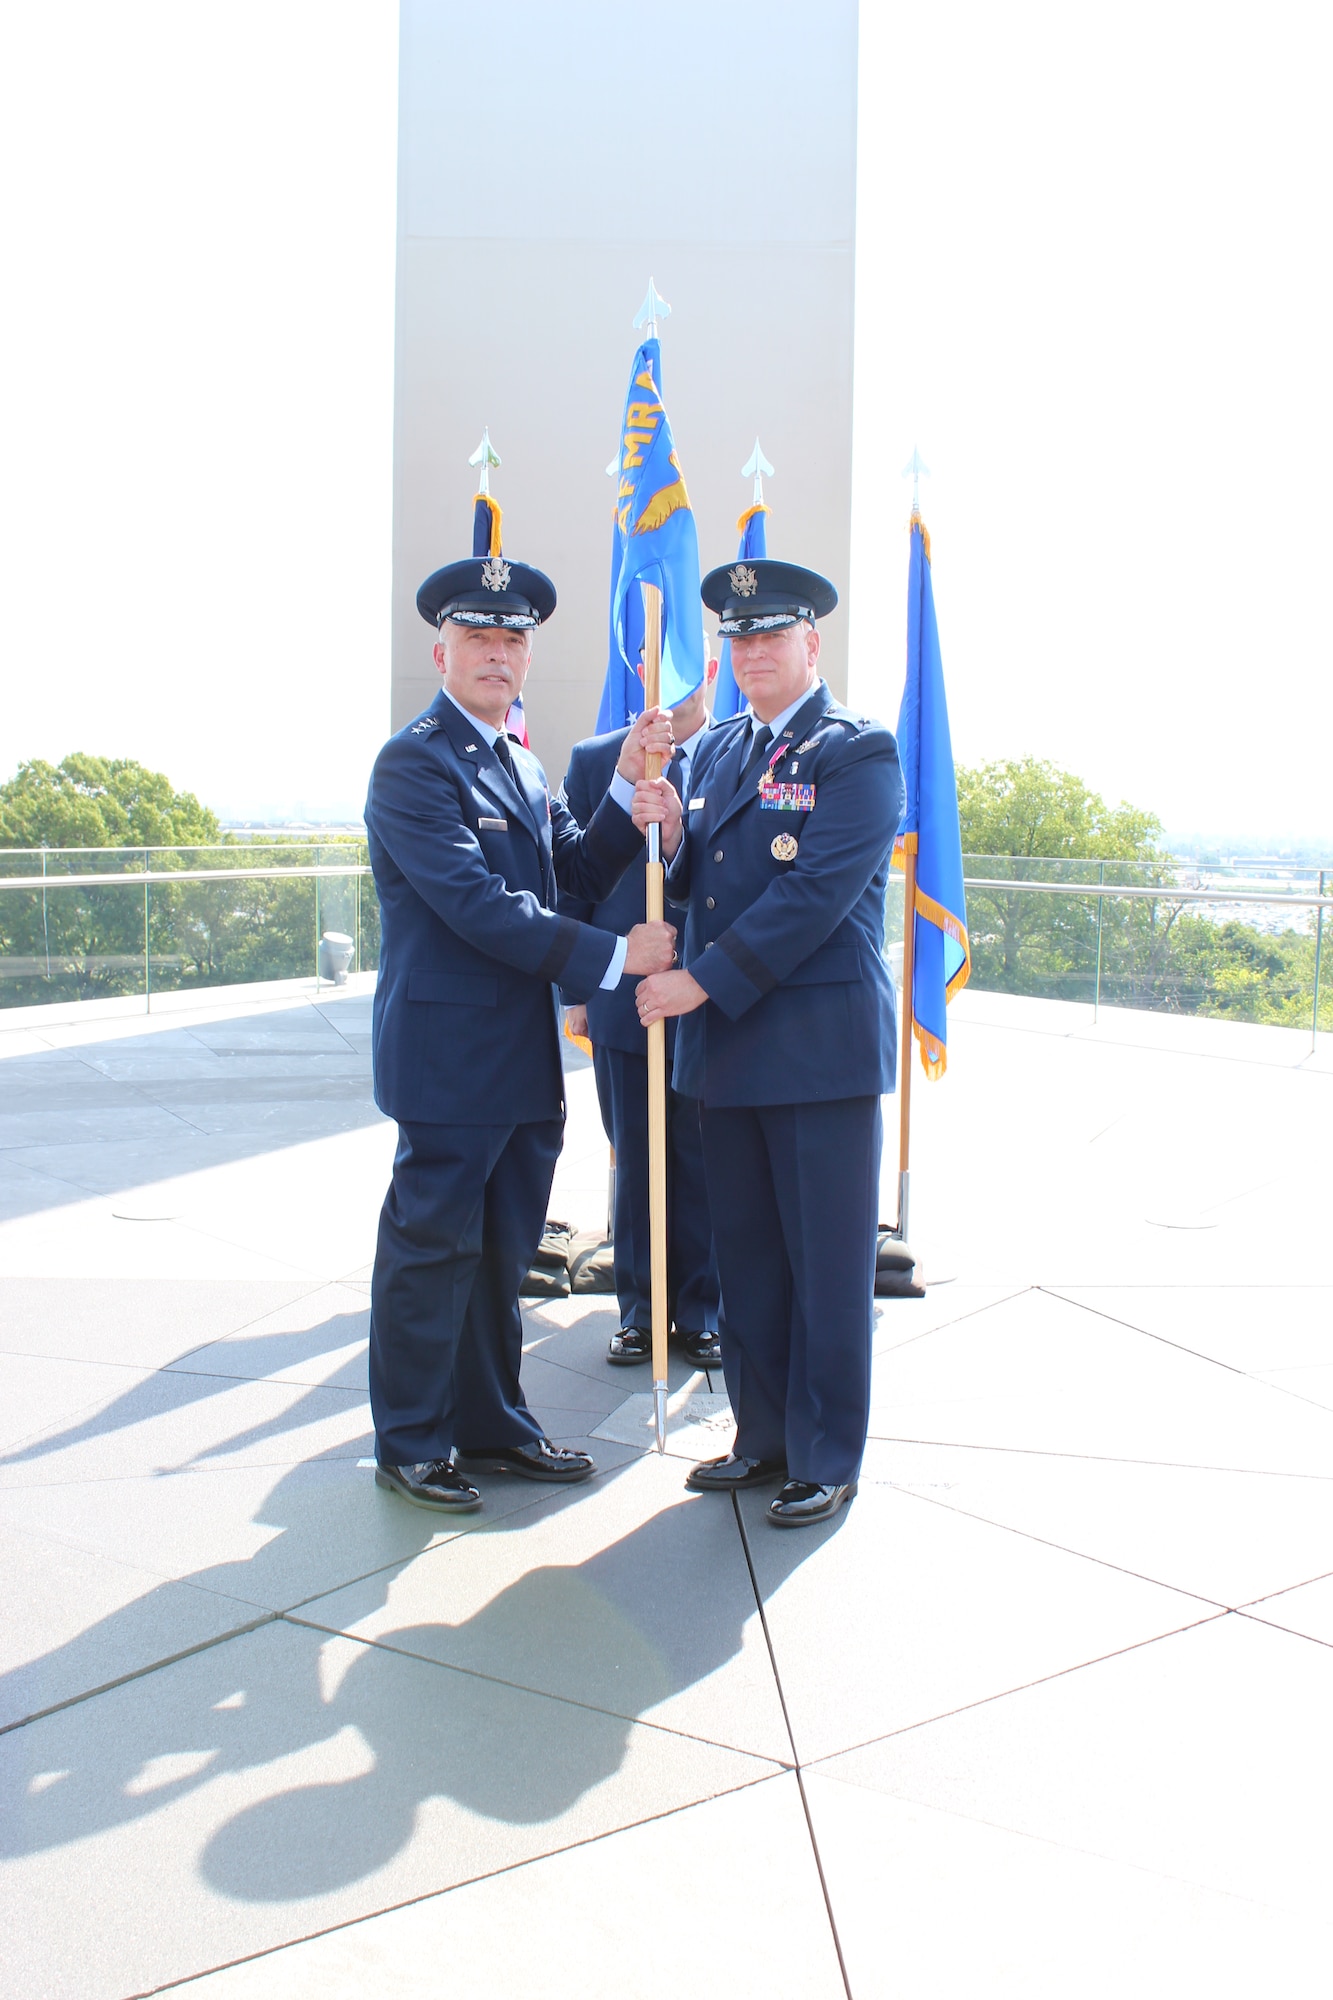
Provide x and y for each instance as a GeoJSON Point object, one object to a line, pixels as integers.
{"type": "Point", "coordinates": [551, 157]}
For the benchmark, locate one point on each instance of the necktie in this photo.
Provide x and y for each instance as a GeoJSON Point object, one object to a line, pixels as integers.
{"type": "Point", "coordinates": [763, 736]}
{"type": "Point", "coordinates": [501, 748]}
{"type": "Point", "coordinates": [675, 772]}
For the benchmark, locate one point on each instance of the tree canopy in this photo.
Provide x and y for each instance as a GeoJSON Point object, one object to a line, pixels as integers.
{"type": "Point", "coordinates": [100, 802]}
{"type": "Point", "coordinates": [1028, 807]}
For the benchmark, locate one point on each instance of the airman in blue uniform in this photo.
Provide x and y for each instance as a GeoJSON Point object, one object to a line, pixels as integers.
{"type": "Point", "coordinates": [787, 1036]}
{"type": "Point", "coordinates": [468, 849]}
{"type": "Point", "coordinates": [620, 1059]}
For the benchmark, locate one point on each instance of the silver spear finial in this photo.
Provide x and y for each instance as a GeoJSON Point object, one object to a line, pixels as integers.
{"type": "Point", "coordinates": [485, 456]}
{"type": "Point", "coordinates": [757, 467]}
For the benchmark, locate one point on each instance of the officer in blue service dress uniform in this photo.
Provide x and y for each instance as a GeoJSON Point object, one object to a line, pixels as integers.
{"type": "Point", "coordinates": [787, 1036]}
{"type": "Point", "coordinates": [468, 849]}
{"type": "Point", "coordinates": [620, 1059]}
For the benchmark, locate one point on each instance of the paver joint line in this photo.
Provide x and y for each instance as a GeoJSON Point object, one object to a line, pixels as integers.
{"type": "Point", "coordinates": [1044, 1541]}
{"type": "Point", "coordinates": [796, 1759]}
{"type": "Point", "coordinates": [431, 1895]}
{"type": "Point", "coordinates": [1099, 1458]}
{"type": "Point", "coordinates": [141, 1673]}
{"type": "Point", "coordinates": [1042, 1680]}
{"type": "Point", "coordinates": [1194, 1353]}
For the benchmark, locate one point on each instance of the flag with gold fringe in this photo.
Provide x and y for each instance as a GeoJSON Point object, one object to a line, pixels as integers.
{"type": "Point", "coordinates": [656, 542]}
{"type": "Point", "coordinates": [941, 958]}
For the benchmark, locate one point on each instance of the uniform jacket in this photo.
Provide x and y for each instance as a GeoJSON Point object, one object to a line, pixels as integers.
{"type": "Point", "coordinates": [467, 863]}
{"type": "Point", "coordinates": [790, 952]}
{"type": "Point", "coordinates": [613, 1018]}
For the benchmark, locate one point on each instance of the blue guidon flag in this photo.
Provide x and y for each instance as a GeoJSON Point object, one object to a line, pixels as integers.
{"type": "Point", "coordinates": [654, 541]}
{"type": "Point", "coordinates": [942, 960]}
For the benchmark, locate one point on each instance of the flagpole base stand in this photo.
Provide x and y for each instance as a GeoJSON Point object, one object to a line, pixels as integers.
{"type": "Point", "coordinates": [660, 1413]}
{"type": "Point", "coordinates": [899, 1230]}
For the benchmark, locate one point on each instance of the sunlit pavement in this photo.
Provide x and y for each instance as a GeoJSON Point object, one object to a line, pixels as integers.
{"type": "Point", "coordinates": [1044, 1712]}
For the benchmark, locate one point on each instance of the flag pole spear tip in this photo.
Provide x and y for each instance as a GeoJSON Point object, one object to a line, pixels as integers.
{"type": "Point", "coordinates": [485, 456]}
{"type": "Point", "coordinates": [913, 470]}
{"type": "Point", "coordinates": [654, 307]}
{"type": "Point", "coordinates": [757, 467]}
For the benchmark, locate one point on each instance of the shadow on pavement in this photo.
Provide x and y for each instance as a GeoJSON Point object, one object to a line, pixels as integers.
{"type": "Point", "coordinates": [640, 1620]}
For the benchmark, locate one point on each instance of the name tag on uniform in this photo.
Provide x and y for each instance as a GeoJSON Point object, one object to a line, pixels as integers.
{"type": "Point", "coordinates": [695, 804]}
{"type": "Point", "coordinates": [493, 825]}
{"type": "Point", "coordinates": [786, 798]}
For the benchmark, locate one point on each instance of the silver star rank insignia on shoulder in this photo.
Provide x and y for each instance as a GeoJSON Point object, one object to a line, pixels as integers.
{"type": "Point", "coordinates": [495, 573]}
{"type": "Point", "coordinates": [743, 580]}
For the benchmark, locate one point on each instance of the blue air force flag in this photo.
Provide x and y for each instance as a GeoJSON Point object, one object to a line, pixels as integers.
{"type": "Point", "coordinates": [728, 699]}
{"type": "Point", "coordinates": [657, 543]}
{"type": "Point", "coordinates": [941, 958]}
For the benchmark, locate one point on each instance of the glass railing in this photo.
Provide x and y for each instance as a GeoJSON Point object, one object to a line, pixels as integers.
{"type": "Point", "coordinates": [105, 922]}
{"type": "Point", "coordinates": [1240, 941]}
{"type": "Point", "coordinates": [1243, 942]}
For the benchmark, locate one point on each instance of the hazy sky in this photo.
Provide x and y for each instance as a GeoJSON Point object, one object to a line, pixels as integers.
{"type": "Point", "coordinates": [1093, 287]}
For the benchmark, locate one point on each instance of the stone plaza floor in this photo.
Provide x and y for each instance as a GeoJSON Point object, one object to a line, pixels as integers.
{"type": "Point", "coordinates": [1048, 1711]}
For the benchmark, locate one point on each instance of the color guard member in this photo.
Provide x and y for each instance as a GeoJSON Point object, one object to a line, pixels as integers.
{"type": "Point", "coordinates": [787, 1036]}
{"type": "Point", "coordinates": [468, 849]}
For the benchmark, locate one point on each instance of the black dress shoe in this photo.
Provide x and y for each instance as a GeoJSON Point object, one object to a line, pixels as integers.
{"type": "Point", "coordinates": [702, 1350]}
{"type": "Point", "coordinates": [733, 1474]}
{"type": "Point", "coordinates": [539, 1460]}
{"type": "Point", "coordinates": [435, 1485]}
{"type": "Point", "coordinates": [630, 1344]}
{"type": "Point", "coordinates": [801, 1501]}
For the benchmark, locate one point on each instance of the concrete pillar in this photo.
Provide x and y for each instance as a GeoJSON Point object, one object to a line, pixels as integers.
{"type": "Point", "coordinates": [551, 158]}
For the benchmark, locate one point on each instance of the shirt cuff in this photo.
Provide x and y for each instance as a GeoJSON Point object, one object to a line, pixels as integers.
{"type": "Point", "coordinates": [611, 977]}
{"type": "Point", "coordinates": [622, 791]}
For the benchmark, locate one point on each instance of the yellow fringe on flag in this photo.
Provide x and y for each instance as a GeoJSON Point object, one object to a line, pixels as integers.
{"type": "Point", "coordinates": [495, 514]}
{"type": "Point", "coordinates": [579, 1041]}
{"type": "Point", "coordinates": [934, 1055]}
{"type": "Point", "coordinates": [917, 522]}
{"type": "Point", "coordinates": [749, 514]}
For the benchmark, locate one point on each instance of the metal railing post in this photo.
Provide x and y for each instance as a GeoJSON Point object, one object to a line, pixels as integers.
{"type": "Point", "coordinates": [1101, 905]}
{"type": "Point", "coordinates": [1318, 952]}
{"type": "Point", "coordinates": [147, 951]}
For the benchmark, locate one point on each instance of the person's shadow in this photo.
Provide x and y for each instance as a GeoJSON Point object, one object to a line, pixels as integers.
{"type": "Point", "coordinates": [644, 1618]}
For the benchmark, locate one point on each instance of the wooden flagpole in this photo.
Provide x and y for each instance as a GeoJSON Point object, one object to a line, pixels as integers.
{"type": "Point", "coordinates": [657, 1133]}
{"type": "Point", "coordinates": [908, 1036]}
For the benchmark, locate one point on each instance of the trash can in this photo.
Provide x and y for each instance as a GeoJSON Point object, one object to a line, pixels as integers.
{"type": "Point", "coordinates": [335, 955]}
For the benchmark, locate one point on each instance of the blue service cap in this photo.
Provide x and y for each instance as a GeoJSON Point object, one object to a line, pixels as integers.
{"type": "Point", "coordinates": [760, 596]}
{"type": "Point", "coordinates": [487, 590]}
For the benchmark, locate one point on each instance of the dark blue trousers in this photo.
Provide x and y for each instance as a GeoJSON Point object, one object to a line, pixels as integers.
{"type": "Point", "coordinates": [458, 1232]}
{"type": "Point", "coordinates": [795, 1199]}
{"type": "Point", "coordinates": [692, 1287]}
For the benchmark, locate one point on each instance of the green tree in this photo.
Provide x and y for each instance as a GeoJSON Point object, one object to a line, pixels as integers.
{"type": "Point", "coordinates": [1028, 820]}
{"type": "Point", "coordinates": [100, 802]}
{"type": "Point", "coordinates": [1029, 808]}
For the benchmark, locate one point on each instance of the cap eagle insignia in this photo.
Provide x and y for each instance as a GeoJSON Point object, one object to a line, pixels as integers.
{"type": "Point", "coordinates": [743, 580]}
{"type": "Point", "coordinates": [495, 573]}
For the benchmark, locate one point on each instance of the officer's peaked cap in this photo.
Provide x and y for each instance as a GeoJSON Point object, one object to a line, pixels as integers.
{"type": "Point", "coordinates": [487, 590]}
{"type": "Point", "coordinates": [760, 596]}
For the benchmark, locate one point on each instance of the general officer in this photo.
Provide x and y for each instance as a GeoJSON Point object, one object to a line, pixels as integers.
{"type": "Point", "coordinates": [467, 849]}
{"type": "Point", "coordinates": [787, 1036]}
{"type": "Point", "coordinates": [620, 1060]}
